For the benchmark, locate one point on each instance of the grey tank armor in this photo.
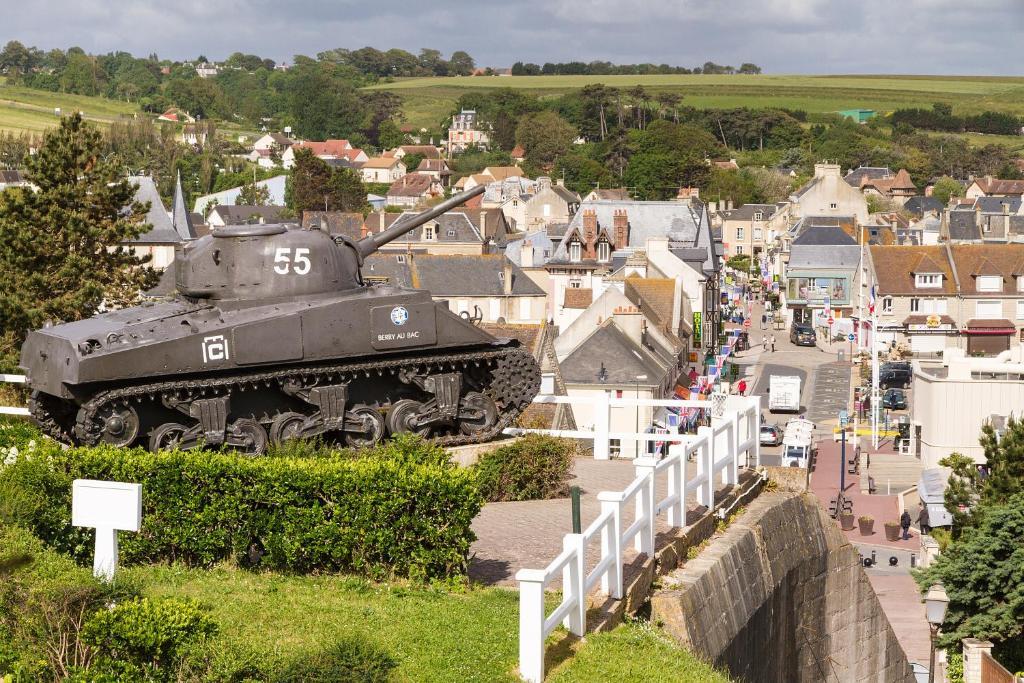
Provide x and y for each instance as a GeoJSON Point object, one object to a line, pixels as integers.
{"type": "Point", "coordinates": [272, 335]}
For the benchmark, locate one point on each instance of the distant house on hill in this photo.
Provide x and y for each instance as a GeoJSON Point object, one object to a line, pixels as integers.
{"type": "Point", "coordinates": [413, 188]}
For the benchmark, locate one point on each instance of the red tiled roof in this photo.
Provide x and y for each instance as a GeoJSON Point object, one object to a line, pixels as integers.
{"type": "Point", "coordinates": [997, 186]}
{"type": "Point", "coordinates": [578, 298]}
{"type": "Point", "coordinates": [334, 148]}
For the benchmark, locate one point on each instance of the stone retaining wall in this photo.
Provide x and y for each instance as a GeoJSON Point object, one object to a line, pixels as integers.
{"type": "Point", "coordinates": [781, 596]}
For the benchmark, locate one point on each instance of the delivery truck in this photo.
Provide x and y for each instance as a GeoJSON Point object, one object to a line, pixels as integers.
{"type": "Point", "coordinates": [798, 443]}
{"type": "Point", "coordinates": [784, 393]}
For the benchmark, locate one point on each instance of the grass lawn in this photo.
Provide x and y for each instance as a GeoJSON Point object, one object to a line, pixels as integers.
{"type": "Point", "coordinates": [26, 109]}
{"type": "Point", "coordinates": [426, 101]}
{"type": "Point", "coordinates": [435, 635]}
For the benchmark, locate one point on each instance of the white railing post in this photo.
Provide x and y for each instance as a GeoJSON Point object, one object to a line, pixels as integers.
{"type": "Point", "coordinates": [677, 485]}
{"type": "Point", "coordinates": [574, 576]}
{"type": "Point", "coordinates": [531, 624]}
{"type": "Point", "coordinates": [706, 464]}
{"type": "Point", "coordinates": [611, 544]}
{"type": "Point", "coordinates": [732, 470]}
{"type": "Point", "coordinates": [602, 420]}
{"type": "Point", "coordinates": [756, 430]}
{"type": "Point", "coordinates": [645, 505]}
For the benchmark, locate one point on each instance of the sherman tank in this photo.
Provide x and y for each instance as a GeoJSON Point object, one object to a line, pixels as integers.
{"type": "Point", "coordinates": [273, 335]}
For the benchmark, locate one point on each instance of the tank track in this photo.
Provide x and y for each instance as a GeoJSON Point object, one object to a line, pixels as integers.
{"type": "Point", "coordinates": [45, 411]}
{"type": "Point", "coordinates": [516, 380]}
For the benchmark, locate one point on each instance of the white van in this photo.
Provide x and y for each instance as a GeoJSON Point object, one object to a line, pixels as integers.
{"type": "Point", "coordinates": [798, 443]}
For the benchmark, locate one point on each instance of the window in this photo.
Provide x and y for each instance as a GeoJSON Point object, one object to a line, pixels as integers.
{"type": "Point", "coordinates": [989, 310]}
{"type": "Point", "coordinates": [758, 234]}
{"type": "Point", "coordinates": [575, 283]}
{"type": "Point", "coordinates": [547, 210]}
{"type": "Point", "coordinates": [887, 304]}
{"type": "Point", "coordinates": [614, 447]}
{"type": "Point", "coordinates": [451, 233]}
{"type": "Point", "coordinates": [990, 283]}
{"type": "Point", "coordinates": [986, 226]}
{"type": "Point", "coordinates": [758, 216]}
{"type": "Point", "coordinates": [618, 393]}
{"type": "Point", "coordinates": [925, 280]}
{"type": "Point", "coordinates": [915, 305]}
{"type": "Point", "coordinates": [428, 232]}
{"type": "Point", "coordinates": [740, 233]}
{"type": "Point", "coordinates": [833, 206]}
{"type": "Point", "coordinates": [400, 258]}
{"type": "Point", "coordinates": [604, 251]}
{"type": "Point", "coordinates": [575, 251]}
{"type": "Point", "coordinates": [1020, 309]}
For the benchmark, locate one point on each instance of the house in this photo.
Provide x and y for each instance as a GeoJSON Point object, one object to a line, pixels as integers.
{"type": "Point", "coordinates": [194, 134]}
{"type": "Point", "coordinates": [269, 149]}
{"type": "Point", "coordinates": [987, 186]}
{"type": "Point", "coordinates": [484, 287]}
{"type": "Point", "coordinates": [491, 174]}
{"type": "Point", "coordinates": [822, 277]}
{"type": "Point", "coordinates": [449, 233]}
{"type": "Point", "coordinates": [328, 150]}
{"type": "Point", "coordinates": [174, 115]}
{"type": "Point", "coordinates": [335, 223]}
{"type": "Point", "coordinates": [828, 194]}
{"type": "Point", "coordinates": [551, 203]}
{"type": "Point", "coordinates": [12, 178]}
{"type": "Point", "coordinates": [615, 194]}
{"type": "Point", "coordinates": [919, 205]}
{"type": "Point", "coordinates": [898, 188]}
{"type": "Point", "coordinates": [510, 196]}
{"type": "Point", "coordinates": [382, 170]}
{"type": "Point", "coordinates": [531, 250]}
{"type": "Point", "coordinates": [275, 187]}
{"type": "Point", "coordinates": [167, 230]}
{"type": "Point", "coordinates": [724, 164]}
{"type": "Point", "coordinates": [425, 151]}
{"type": "Point", "coordinates": [518, 154]}
{"type": "Point", "coordinates": [229, 214]}
{"type": "Point", "coordinates": [490, 223]}
{"type": "Point", "coordinates": [964, 296]}
{"type": "Point", "coordinates": [984, 219]}
{"type": "Point", "coordinates": [464, 131]}
{"type": "Point", "coordinates": [205, 70]}
{"type": "Point", "coordinates": [413, 189]}
{"type": "Point", "coordinates": [436, 168]}
{"type": "Point", "coordinates": [752, 228]}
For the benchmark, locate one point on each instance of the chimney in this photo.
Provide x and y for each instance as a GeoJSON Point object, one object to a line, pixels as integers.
{"type": "Point", "coordinates": [728, 205]}
{"type": "Point", "coordinates": [822, 170]}
{"type": "Point", "coordinates": [483, 223]}
{"type": "Point", "coordinates": [560, 182]}
{"type": "Point", "coordinates": [630, 321]}
{"type": "Point", "coordinates": [364, 231]}
{"type": "Point", "coordinates": [1006, 220]}
{"type": "Point", "coordinates": [506, 277]}
{"type": "Point", "coordinates": [526, 255]}
{"type": "Point", "coordinates": [621, 226]}
{"type": "Point", "coordinates": [543, 182]}
{"type": "Point", "coordinates": [677, 304]}
{"type": "Point", "coordinates": [589, 233]}
{"type": "Point", "coordinates": [712, 207]}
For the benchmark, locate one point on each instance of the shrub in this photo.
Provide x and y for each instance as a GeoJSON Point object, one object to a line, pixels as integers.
{"type": "Point", "coordinates": [532, 468]}
{"type": "Point", "coordinates": [350, 659]}
{"type": "Point", "coordinates": [376, 515]}
{"type": "Point", "coordinates": [143, 639]}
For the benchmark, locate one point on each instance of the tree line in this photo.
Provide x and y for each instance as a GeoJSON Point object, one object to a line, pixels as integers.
{"type": "Point", "coordinates": [940, 117]}
{"type": "Point", "coordinates": [599, 68]}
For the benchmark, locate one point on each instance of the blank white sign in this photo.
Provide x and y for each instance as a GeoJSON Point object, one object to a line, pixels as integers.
{"type": "Point", "coordinates": [106, 504]}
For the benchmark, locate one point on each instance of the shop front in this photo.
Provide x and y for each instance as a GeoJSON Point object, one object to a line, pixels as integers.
{"type": "Point", "coordinates": [988, 337]}
{"type": "Point", "coordinates": [931, 334]}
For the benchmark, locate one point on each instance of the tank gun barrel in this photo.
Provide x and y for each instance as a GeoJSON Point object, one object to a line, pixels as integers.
{"type": "Point", "coordinates": [372, 243]}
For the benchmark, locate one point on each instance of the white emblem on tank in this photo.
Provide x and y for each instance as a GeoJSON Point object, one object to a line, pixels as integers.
{"type": "Point", "coordinates": [399, 315]}
{"type": "Point", "coordinates": [215, 348]}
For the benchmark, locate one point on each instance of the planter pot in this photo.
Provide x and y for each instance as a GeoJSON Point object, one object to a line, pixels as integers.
{"type": "Point", "coordinates": [867, 526]}
{"type": "Point", "coordinates": [846, 522]}
{"type": "Point", "coordinates": [892, 531]}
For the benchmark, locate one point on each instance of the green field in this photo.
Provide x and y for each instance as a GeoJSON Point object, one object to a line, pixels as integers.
{"type": "Point", "coordinates": [26, 109]}
{"type": "Point", "coordinates": [428, 100]}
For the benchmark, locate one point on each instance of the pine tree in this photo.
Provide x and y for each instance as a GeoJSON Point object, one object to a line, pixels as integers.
{"type": "Point", "coordinates": [59, 258]}
{"type": "Point", "coordinates": [315, 186]}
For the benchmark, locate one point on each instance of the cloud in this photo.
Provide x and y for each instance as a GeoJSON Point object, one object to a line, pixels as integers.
{"type": "Point", "coordinates": [783, 36]}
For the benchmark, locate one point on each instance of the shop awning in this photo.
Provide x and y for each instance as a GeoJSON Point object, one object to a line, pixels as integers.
{"type": "Point", "coordinates": [995, 326]}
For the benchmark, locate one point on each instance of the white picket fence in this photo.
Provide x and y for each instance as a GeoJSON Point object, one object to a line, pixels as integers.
{"type": "Point", "coordinates": [734, 436]}
{"type": "Point", "coordinates": [11, 410]}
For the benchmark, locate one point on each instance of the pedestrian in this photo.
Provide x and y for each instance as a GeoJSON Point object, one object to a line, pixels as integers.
{"type": "Point", "coordinates": [922, 520]}
{"type": "Point", "coordinates": [764, 342]}
{"type": "Point", "coordinates": [905, 524]}
{"type": "Point", "coordinates": [764, 321]}
{"type": "Point", "coordinates": [742, 386]}
{"type": "Point", "coordinates": [773, 343]}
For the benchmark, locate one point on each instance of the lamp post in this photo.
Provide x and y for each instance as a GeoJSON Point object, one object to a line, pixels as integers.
{"type": "Point", "coordinates": [935, 603]}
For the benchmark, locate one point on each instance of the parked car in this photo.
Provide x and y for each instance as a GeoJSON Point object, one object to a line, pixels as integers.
{"type": "Point", "coordinates": [895, 377]}
{"type": "Point", "coordinates": [894, 399]}
{"type": "Point", "coordinates": [896, 365]}
{"type": "Point", "coordinates": [803, 335]}
{"type": "Point", "coordinates": [771, 435]}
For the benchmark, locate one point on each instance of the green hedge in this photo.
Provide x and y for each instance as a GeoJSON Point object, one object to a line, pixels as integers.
{"type": "Point", "coordinates": [378, 516]}
{"type": "Point", "coordinates": [534, 467]}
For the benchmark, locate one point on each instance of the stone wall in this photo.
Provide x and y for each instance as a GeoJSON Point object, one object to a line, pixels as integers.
{"type": "Point", "coordinates": [781, 596]}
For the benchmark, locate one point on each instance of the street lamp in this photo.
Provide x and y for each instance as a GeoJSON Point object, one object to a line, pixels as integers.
{"type": "Point", "coordinates": [935, 603]}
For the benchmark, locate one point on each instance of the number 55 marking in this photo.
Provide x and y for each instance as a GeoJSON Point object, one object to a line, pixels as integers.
{"type": "Point", "coordinates": [284, 263]}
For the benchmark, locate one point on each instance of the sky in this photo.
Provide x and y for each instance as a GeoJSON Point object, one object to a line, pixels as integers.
{"type": "Point", "coordinates": [973, 37]}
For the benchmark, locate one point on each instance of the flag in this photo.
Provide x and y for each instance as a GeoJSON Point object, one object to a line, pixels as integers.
{"type": "Point", "coordinates": [871, 299]}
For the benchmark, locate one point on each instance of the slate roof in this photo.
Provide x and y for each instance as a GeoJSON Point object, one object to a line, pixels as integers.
{"type": "Point", "coordinates": [825, 255]}
{"type": "Point", "coordinates": [446, 223]}
{"type": "Point", "coordinates": [10, 177]}
{"type": "Point", "coordinates": [895, 267]}
{"type": "Point", "coordinates": [857, 176]}
{"type": "Point", "coordinates": [541, 242]}
{"type": "Point", "coordinates": [747, 211]}
{"type": "Point", "coordinates": [345, 223]}
{"type": "Point", "coordinates": [469, 275]}
{"type": "Point", "coordinates": [162, 230]}
{"type": "Point", "coordinates": [995, 204]}
{"type": "Point", "coordinates": [394, 267]}
{"type": "Point", "coordinates": [919, 204]}
{"type": "Point", "coordinates": [963, 225]}
{"type": "Point", "coordinates": [622, 359]}
{"type": "Point", "coordinates": [181, 219]}
{"type": "Point", "coordinates": [242, 214]}
{"type": "Point", "coordinates": [820, 235]}
{"type": "Point", "coordinates": [565, 193]}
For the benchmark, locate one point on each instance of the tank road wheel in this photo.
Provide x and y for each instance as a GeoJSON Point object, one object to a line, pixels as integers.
{"type": "Point", "coordinates": [167, 437]}
{"type": "Point", "coordinates": [373, 433]}
{"type": "Point", "coordinates": [249, 436]}
{"type": "Point", "coordinates": [400, 414]}
{"type": "Point", "coordinates": [286, 426]}
{"type": "Point", "coordinates": [120, 425]}
{"type": "Point", "coordinates": [479, 413]}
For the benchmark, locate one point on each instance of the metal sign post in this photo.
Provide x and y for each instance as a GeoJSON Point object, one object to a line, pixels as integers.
{"type": "Point", "coordinates": [843, 419]}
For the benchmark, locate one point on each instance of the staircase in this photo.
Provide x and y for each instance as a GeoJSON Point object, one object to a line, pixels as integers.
{"type": "Point", "coordinates": [895, 472]}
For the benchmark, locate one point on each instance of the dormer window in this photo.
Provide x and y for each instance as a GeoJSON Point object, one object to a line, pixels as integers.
{"type": "Point", "coordinates": [604, 252]}
{"type": "Point", "coordinates": [575, 252]}
{"type": "Point", "coordinates": [400, 258]}
{"type": "Point", "coordinates": [833, 206]}
{"type": "Point", "coordinates": [990, 283]}
{"type": "Point", "coordinates": [758, 216]}
{"type": "Point", "coordinates": [428, 232]}
{"type": "Point", "coordinates": [451, 233]}
{"type": "Point", "coordinates": [928, 280]}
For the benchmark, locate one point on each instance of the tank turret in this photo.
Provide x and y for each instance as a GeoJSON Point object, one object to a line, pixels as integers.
{"type": "Point", "coordinates": [273, 335]}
